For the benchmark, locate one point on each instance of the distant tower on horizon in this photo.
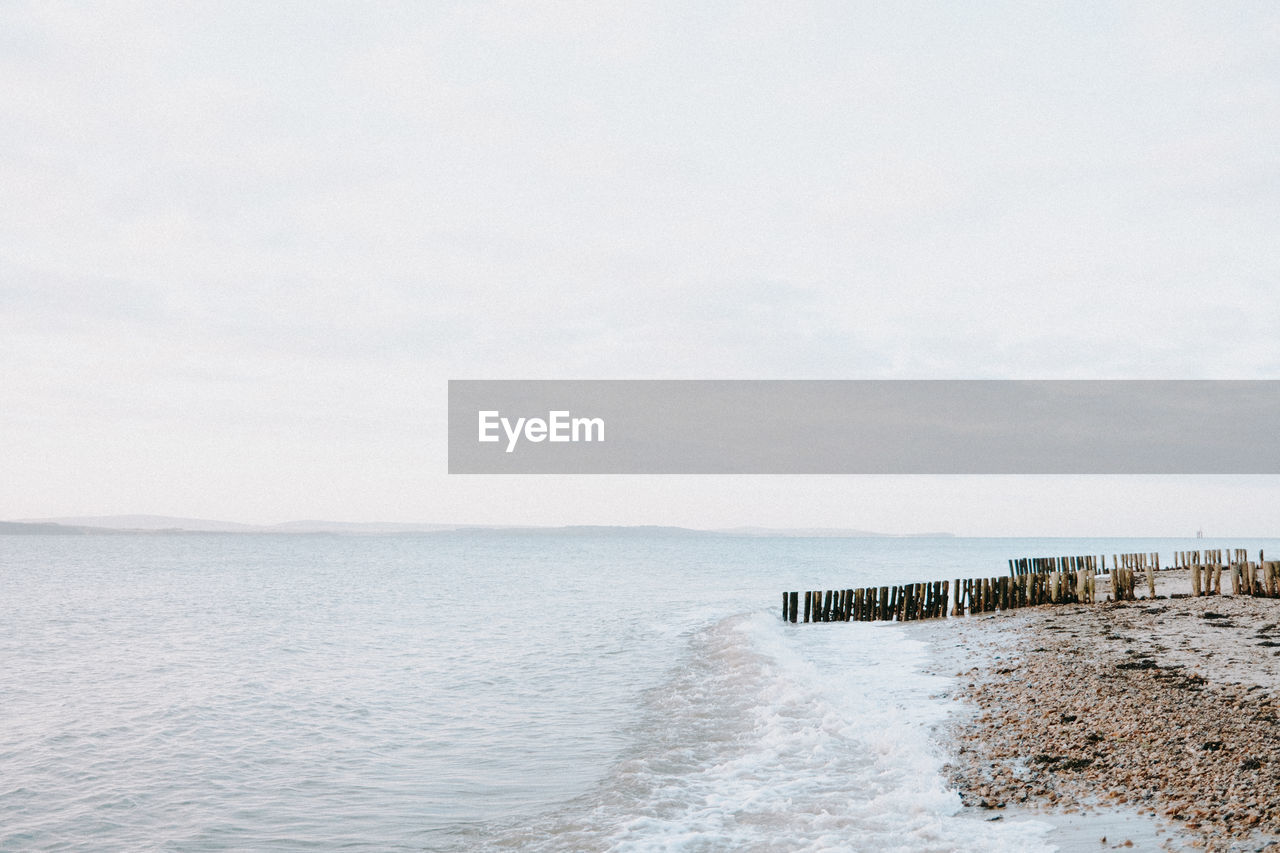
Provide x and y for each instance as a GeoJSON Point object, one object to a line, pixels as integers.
{"type": "Point", "coordinates": [1200, 533]}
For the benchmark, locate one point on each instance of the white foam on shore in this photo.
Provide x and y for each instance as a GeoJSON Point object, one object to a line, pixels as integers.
{"type": "Point", "coordinates": [775, 737]}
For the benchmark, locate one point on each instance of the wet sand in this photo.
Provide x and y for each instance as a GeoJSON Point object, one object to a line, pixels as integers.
{"type": "Point", "coordinates": [1153, 722]}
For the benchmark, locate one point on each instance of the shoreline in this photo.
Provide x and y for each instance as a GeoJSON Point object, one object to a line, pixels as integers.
{"type": "Point", "coordinates": [1151, 721]}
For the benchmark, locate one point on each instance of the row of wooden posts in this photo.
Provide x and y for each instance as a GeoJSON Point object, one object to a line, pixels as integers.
{"type": "Point", "coordinates": [907, 602]}
{"type": "Point", "coordinates": [1260, 579]}
{"type": "Point", "coordinates": [1083, 562]}
{"type": "Point", "coordinates": [1032, 581]}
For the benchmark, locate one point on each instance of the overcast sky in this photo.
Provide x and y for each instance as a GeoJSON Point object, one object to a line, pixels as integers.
{"type": "Point", "coordinates": [243, 246]}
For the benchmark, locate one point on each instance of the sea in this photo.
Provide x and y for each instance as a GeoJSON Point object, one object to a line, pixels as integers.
{"type": "Point", "coordinates": [573, 690]}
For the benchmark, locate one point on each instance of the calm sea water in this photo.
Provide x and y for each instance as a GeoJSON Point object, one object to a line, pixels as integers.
{"type": "Point", "coordinates": [491, 691]}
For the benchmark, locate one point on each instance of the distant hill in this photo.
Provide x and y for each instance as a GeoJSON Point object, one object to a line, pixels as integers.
{"type": "Point", "coordinates": [172, 524]}
{"type": "Point", "coordinates": [827, 533]}
{"type": "Point", "coordinates": [359, 527]}
{"type": "Point", "coordinates": [148, 522]}
{"type": "Point", "coordinates": [159, 523]}
{"type": "Point", "coordinates": [23, 528]}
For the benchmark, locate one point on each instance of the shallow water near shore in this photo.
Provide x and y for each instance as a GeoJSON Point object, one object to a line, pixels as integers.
{"type": "Point", "coordinates": [592, 690]}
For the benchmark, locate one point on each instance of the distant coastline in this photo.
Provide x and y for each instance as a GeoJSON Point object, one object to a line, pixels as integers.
{"type": "Point", "coordinates": [122, 524]}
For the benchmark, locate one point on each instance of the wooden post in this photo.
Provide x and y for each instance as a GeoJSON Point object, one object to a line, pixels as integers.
{"type": "Point", "coordinates": [794, 601]}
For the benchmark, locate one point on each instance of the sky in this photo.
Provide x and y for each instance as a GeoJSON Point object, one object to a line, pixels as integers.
{"type": "Point", "coordinates": [244, 246]}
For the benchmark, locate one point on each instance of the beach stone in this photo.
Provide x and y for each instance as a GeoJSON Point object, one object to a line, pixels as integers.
{"type": "Point", "coordinates": [1171, 710]}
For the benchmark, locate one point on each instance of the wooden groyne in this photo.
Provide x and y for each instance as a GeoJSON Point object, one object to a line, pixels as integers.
{"type": "Point", "coordinates": [1033, 581]}
{"type": "Point", "coordinates": [1260, 579]}
{"type": "Point", "coordinates": [1044, 565]}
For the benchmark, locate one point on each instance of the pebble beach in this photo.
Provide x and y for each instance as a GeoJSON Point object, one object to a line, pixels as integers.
{"type": "Point", "coordinates": [1160, 714]}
